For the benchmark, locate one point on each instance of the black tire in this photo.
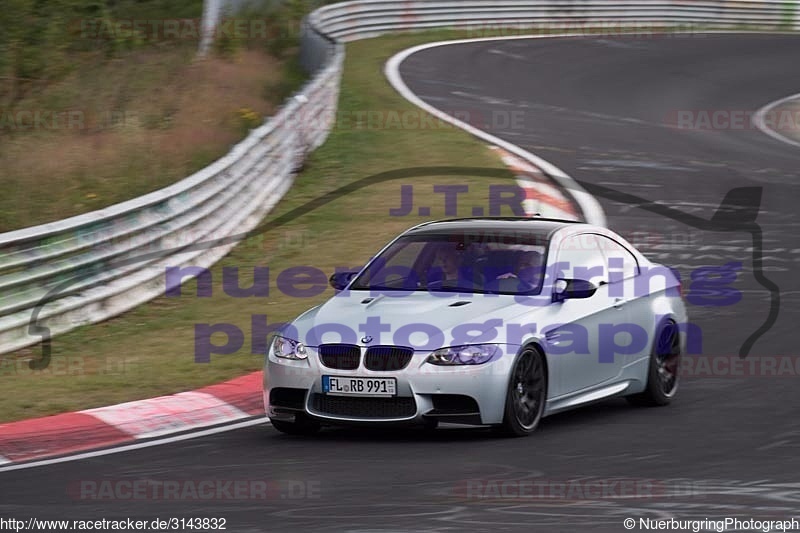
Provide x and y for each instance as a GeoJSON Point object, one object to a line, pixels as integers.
{"type": "Point", "coordinates": [662, 374]}
{"type": "Point", "coordinates": [302, 425]}
{"type": "Point", "coordinates": [526, 395]}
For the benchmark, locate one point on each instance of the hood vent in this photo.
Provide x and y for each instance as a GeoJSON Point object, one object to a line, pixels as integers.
{"type": "Point", "coordinates": [459, 304]}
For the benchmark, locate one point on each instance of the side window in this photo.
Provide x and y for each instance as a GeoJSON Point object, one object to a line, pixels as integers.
{"type": "Point", "coordinates": [620, 263]}
{"type": "Point", "coordinates": [580, 257]}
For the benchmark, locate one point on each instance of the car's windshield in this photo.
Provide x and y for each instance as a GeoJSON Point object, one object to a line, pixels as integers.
{"type": "Point", "coordinates": [502, 263]}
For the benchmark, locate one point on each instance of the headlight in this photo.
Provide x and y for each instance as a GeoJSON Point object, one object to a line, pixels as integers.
{"type": "Point", "coordinates": [470, 354]}
{"type": "Point", "coordinates": [288, 348]}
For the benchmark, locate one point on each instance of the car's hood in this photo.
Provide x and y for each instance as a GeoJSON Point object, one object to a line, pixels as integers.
{"type": "Point", "coordinates": [394, 317]}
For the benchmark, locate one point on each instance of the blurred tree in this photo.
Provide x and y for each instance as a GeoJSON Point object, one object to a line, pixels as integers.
{"type": "Point", "coordinates": [34, 44]}
{"type": "Point", "coordinates": [39, 39]}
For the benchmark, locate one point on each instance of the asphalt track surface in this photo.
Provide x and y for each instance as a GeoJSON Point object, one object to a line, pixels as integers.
{"type": "Point", "coordinates": [728, 447]}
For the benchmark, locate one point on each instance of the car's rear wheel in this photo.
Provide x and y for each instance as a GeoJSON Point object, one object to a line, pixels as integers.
{"type": "Point", "coordinates": [526, 395]}
{"type": "Point", "coordinates": [662, 375]}
{"type": "Point", "coordinates": [302, 425]}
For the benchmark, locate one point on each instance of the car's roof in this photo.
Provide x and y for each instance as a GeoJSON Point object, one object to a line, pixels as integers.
{"type": "Point", "coordinates": [534, 225]}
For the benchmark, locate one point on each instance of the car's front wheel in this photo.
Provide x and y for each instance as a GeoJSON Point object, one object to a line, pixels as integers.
{"type": "Point", "coordinates": [662, 374]}
{"type": "Point", "coordinates": [302, 425]}
{"type": "Point", "coordinates": [526, 394]}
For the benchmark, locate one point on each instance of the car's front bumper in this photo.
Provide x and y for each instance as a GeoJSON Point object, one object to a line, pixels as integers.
{"type": "Point", "coordinates": [471, 394]}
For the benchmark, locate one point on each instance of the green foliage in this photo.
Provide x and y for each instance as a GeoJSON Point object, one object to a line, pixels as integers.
{"type": "Point", "coordinates": [41, 40]}
{"type": "Point", "coordinates": [226, 45]}
{"type": "Point", "coordinates": [282, 19]}
{"type": "Point", "coordinates": [155, 9]}
{"type": "Point", "coordinates": [34, 41]}
{"type": "Point", "coordinates": [292, 79]}
{"type": "Point", "coordinates": [248, 120]}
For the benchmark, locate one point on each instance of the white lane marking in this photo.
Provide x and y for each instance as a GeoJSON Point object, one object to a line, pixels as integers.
{"type": "Point", "coordinates": [506, 54]}
{"type": "Point", "coordinates": [774, 445]}
{"type": "Point", "coordinates": [631, 184]}
{"type": "Point", "coordinates": [137, 446]}
{"type": "Point", "coordinates": [588, 203]}
{"type": "Point", "coordinates": [761, 123]}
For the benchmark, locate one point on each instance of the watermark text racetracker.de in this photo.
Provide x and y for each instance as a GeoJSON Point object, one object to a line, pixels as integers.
{"type": "Point", "coordinates": [204, 523]}
{"type": "Point", "coordinates": [150, 489]}
{"type": "Point", "coordinates": [719, 525]}
{"type": "Point", "coordinates": [69, 365]}
{"type": "Point", "coordinates": [782, 120]}
{"type": "Point", "coordinates": [572, 489]}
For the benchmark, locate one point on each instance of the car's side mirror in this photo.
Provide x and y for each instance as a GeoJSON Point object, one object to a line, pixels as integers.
{"type": "Point", "coordinates": [569, 289]}
{"type": "Point", "coordinates": [339, 280]}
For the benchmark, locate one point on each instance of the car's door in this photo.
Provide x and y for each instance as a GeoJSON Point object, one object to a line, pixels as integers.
{"type": "Point", "coordinates": [626, 290]}
{"type": "Point", "coordinates": [580, 346]}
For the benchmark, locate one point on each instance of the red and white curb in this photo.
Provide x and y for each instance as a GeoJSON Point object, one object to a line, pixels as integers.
{"type": "Point", "coordinates": [114, 425]}
{"type": "Point", "coordinates": [543, 196]}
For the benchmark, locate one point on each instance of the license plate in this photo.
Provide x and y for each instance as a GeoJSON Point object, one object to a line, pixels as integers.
{"type": "Point", "coordinates": [346, 386]}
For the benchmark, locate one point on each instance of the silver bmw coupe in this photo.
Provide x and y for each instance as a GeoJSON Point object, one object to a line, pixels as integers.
{"type": "Point", "coordinates": [484, 321]}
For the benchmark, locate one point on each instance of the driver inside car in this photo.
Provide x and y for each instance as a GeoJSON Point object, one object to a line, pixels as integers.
{"type": "Point", "coordinates": [450, 272]}
{"type": "Point", "coordinates": [526, 275]}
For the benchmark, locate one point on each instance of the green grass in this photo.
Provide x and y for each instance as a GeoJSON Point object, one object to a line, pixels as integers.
{"type": "Point", "coordinates": [150, 351]}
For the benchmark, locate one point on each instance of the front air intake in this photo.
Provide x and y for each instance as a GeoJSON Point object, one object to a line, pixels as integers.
{"type": "Point", "coordinates": [340, 356]}
{"type": "Point", "coordinates": [388, 358]}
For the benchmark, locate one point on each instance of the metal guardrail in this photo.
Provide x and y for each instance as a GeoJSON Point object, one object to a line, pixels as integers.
{"type": "Point", "coordinates": [365, 18]}
{"type": "Point", "coordinates": [94, 266]}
